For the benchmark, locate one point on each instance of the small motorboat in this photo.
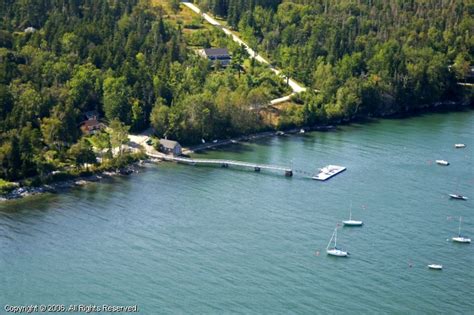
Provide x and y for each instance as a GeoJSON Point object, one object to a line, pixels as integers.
{"type": "Point", "coordinates": [459, 145]}
{"type": "Point", "coordinates": [302, 130]}
{"type": "Point", "coordinates": [435, 267]}
{"type": "Point", "coordinates": [442, 162]}
{"type": "Point", "coordinates": [456, 196]}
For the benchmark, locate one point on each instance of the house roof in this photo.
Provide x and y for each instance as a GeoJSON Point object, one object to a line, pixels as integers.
{"type": "Point", "coordinates": [90, 123]}
{"type": "Point", "coordinates": [169, 144]}
{"type": "Point", "coordinates": [214, 52]}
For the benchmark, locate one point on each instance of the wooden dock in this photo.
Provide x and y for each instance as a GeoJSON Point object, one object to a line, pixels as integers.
{"type": "Point", "coordinates": [287, 171]}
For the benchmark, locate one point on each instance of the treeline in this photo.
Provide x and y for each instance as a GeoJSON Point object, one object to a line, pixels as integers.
{"type": "Point", "coordinates": [123, 59]}
{"type": "Point", "coordinates": [366, 57]}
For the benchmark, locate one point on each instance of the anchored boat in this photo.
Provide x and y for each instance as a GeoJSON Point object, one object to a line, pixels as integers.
{"type": "Point", "coordinates": [351, 222]}
{"type": "Point", "coordinates": [435, 267]}
{"type": "Point", "coordinates": [459, 238]}
{"type": "Point", "coordinates": [457, 196]}
{"type": "Point", "coordinates": [442, 162]}
{"type": "Point", "coordinates": [459, 145]}
{"type": "Point", "coordinates": [334, 251]}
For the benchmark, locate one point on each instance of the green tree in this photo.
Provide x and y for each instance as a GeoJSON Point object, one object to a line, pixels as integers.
{"type": "Point", "coordinates": [85, 87]}
{"type": "Point", "coordinates": [101, 143]}
{"type": "Point", "coordinates": [462, 66]}
{"type": "Point", "coordinates": [138, 116]}
{"type": "Point", "coordinates": [116, 99]}
{"type": "Point", "coordinates": [52, 131]}
{"type": "Point", "coordinates": [159, 118]}
{"type": "Point", "coordinates": [118, 132]}
{"type": "Point", "coordinates": [81, 153]}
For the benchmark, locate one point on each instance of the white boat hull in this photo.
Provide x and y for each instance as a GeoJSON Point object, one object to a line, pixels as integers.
{"type": "Point", "coordinates": [337, 252]}
{"type": "Point", "coordinates": [460, 239]}
{"type": "Point", "coordinates": [459, 145]}
{"type": "Point", "coordinates": [352, 223]}
{"type": "Point", "coordinates": [435, 267]}
{"type": "Point", "coordinates": [442, 162]}
{"type": "Point", "coordinates": [458, 197]}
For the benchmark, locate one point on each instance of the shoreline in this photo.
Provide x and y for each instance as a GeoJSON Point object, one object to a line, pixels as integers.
{"type": "Point", "coordinates": [439, 107]}
{"type": "Point", "coordinates": [62, 185]}
{"type": "Point", "coordinates": [254, 136]}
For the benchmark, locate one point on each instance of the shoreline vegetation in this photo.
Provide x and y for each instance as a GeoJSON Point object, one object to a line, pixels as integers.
{"type": "Point", "coordinates": [76, 78]}
{"type": "Point", "coordinates": [136, 161]}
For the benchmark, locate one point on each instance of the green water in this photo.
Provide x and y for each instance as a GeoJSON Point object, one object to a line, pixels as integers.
{"type": "Point", "coordinates": [183, 239]}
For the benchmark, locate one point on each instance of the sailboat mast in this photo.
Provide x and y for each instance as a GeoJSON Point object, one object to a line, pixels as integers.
{"type": "Point", "coordinates": [350, 212]}
{"type": "Point", "coordinates": [335, 237]}
{"type": "Point", "coordinates": [332, 236]}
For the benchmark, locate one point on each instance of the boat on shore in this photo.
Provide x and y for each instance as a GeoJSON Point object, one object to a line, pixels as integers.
{"type": "Point", "coordinates": [460, 238]}
{"type": "Point", "coordinates": [442, 162]}
{"type": "Point", "coordinates": [459, 145]}
{"type": "Point", "coordinates": [333, 250]}
{"type": "Point", "coordinates": [435, 267]}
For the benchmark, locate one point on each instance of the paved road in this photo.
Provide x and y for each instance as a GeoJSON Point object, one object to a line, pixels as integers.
{"type": "Point", "coordinates": [295, 86]}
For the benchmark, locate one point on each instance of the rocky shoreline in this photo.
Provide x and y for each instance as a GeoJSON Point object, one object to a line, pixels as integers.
{"type": "Point", "coordinates": [255, 136]}
{"type": "Point", "coordinates": [56, 187]}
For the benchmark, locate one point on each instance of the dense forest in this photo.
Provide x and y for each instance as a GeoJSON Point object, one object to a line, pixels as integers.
{"type": "Point", "coordinates": [135, 64]}
{"type": "Point", "coordinates": [123, 59]}
{"type": "Point", "coordinates": [366, 57]}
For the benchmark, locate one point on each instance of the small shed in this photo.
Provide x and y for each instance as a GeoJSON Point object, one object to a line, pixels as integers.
{"type": "Point", "coordinates": [170, 147]}
{"type": "Point", "coordinates": [217, 54]}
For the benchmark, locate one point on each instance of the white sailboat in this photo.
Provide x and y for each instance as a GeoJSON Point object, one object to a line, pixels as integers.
{"type": "Point", "coordinates": [351, 222]}
{"type": "Point", "coordinates": [334, 251]}
{"type": "Point", "coordinates": [435, 267]}
{"type": "Point", "coordinates": [459, 238]}
{"type": "Point", "coordinates": [459, 145]}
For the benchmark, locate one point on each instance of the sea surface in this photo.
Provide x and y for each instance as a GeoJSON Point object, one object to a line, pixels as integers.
{"type": "Point", "coordinates": [177, 239]}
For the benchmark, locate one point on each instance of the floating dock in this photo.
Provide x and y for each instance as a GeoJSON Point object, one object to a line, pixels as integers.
{"type": "Point", "coordinates": [328, 171]}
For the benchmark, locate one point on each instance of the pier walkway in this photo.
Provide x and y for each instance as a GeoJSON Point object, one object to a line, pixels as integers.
{"type": "Point", "coordinates": [225, 163]}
